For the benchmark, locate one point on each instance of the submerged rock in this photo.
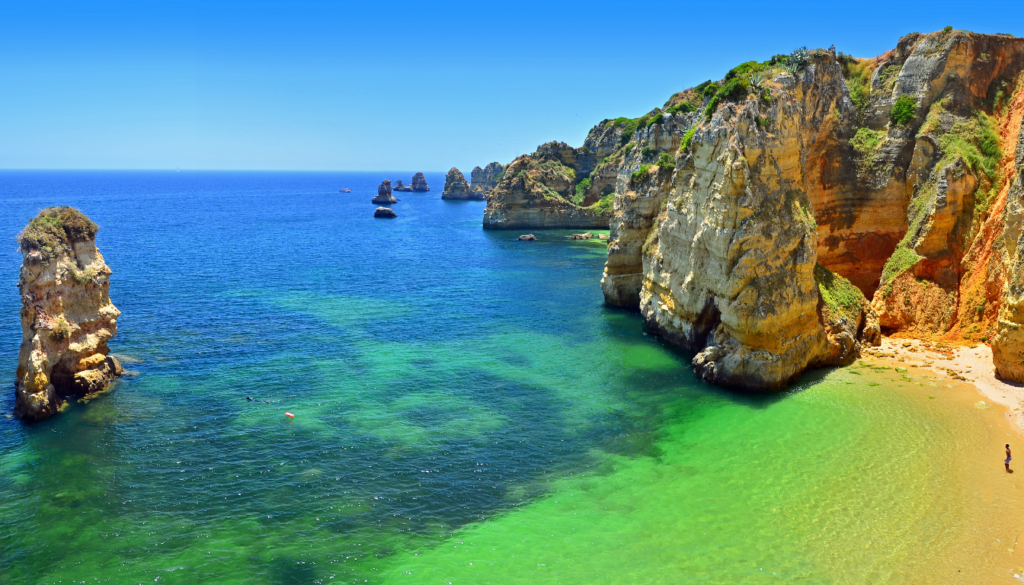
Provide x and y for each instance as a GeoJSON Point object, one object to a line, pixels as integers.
{"type": "Point", "coordinates": [401, 187]}
{"type": "Point", "coordinates": [583, 236]}
{"type": "Point", "coordinates": [66, 314]}
{"type": "Point", "coordinates": [385, 212]}
{"type": "Point", "coordinates": [384, 193]}
{"type": "Point", "coordinates": [419, 183]}
{"type": "Point", "coordinates": [456, 187]}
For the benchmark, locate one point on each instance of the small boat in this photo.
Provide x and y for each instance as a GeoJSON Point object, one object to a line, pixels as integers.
{"type": "Point", "coordinates": [345, 191]}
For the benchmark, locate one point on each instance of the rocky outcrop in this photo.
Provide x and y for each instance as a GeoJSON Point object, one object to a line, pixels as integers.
{"type": "Point", "coordinates": [810, 183]}
{"type": "Point", "coordinates": [401, 187]}
{"type": "Point", "coordinates": [419, 183]}
{"type": "Point", "coordinates": [66, 314]}
{"type": "Point", "coordinates": [384, 195]}
{"type": "Point", "coordinates": [485, 179]}
{"type": "Point", "coordinates": [385, 213]}
{"type": "Point", "coordinates": [527, 238]}
{"type": "Point", "coordinates": [539, 191]}
{"type": "Point", "coordinates": [456, 187]}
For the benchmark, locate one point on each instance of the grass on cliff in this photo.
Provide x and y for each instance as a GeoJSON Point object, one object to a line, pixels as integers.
{"type": "Point", "coordinates": [639, 176]}
{"type": "Point", "coordinates": [857, 73]}
{"type": "Point", "coordinates": [902, 259]}
{"type": "Point", "coordinates": [976, 141]}
{"type": "Point", "coordinates": [839, 294]}
{"type": "Point", "coordinates": [55, 227]}
{"type": "Point", "coordinates": [867, 141]}
{"type": "Point", "coordinates": [684, 144]}
{"type": "Point", "coordinates": [605, 206]}
{"type": "Point", "coordinates": [666, 162]}
{"type": "Point", "coordinates": [581, 191]}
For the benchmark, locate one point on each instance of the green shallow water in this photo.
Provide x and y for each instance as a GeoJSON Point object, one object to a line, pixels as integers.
{"type": "Point", "coordinates": [467, 411]}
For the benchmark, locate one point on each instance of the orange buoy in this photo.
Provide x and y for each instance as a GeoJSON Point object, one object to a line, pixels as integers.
{"type": "Point", "coordinates": [289, 415]}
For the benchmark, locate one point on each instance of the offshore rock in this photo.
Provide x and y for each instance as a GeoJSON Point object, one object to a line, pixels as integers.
{"type": "Point", "coordinates": [419, 183]}
{"type": "Point", "coordinates": [456, 187]}
{"type": "Point", "coordinates": [528, 238]}
{"type": "Point", "coordinates": [384, 195]}
{"type": "Point", "coordinates": [66, 314]}
{"type": "Point", "coordinates": [385, 212]}
{"type": "Point", "coordinates": [485, 179]}
{"type": "Point", "coordinates": [401, 187]}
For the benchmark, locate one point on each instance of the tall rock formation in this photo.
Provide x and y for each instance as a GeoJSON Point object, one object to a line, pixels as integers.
{"type": "Point", "coordinates": [456, 187]}
{"type": "Point", "coordinates": [807, 184]}
{"type": "Point", "coordinates": [66, 314]}
{"type": "Point", "coordinates": [419, 183]}
{"type": "Point", "coordinates": [384, 195]}
{"type": "Point", "coordinates": [485, 179]}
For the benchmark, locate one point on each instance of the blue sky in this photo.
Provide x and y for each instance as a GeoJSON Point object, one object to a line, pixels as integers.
{"type": "Point", "coordinates": [384, 85]}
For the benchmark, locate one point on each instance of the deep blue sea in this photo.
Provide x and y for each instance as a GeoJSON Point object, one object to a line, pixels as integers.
{"type": "Point", "coordinates": [466, 411]}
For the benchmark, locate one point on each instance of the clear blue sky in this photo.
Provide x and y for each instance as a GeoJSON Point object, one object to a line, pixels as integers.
{"type": "Point", "coordinates": [378, 85]}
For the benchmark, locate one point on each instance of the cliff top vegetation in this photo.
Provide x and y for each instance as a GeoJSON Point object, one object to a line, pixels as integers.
{"type": "Point", "coordinates": [55, 227]}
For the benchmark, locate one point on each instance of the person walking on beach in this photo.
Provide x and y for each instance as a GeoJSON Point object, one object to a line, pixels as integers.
{"type": "Point", "coordinates": [1008, 458]}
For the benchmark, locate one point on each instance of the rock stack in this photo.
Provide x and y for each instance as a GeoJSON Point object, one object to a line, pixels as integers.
{"type": "Point", "coordinates": [384, 195]}
{"type": "Point", "coordinates": [456, 187]}
{"type": "Point", "coordinates": [385, 213]}
{"type": "Point", "coordinates": [485, 179]}
{"type": "Point", "coordinates": [402, 187]}
{"type": "Point", "coordinates": [66, 314]}
{"type": "Point", "coordinates": [419, 183]}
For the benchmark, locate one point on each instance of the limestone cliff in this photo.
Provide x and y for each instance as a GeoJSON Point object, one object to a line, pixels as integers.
{"type": "Point", "coordinates": [419, 183]}
{"type": "Point", "coordinates": [384, 195]}
{"type": "Point", "coordinates": [485, 179]}
{"type": "Point", "coordinates": [456, 187]}
{"type": "Point", "coordinates": [66, 314]}
{"type": "Point", "coordinates": [805, 185]}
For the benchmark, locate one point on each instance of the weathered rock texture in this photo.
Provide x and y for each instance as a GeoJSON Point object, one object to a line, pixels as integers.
{"type": "Point", "coordinates": [385, 213]}
{"type": "Point", "coordinates": [384, 195]}
{"type": "Point", "coordinates": [485, 179]}
{"type": "Point", "coordinates": [456, 187]}
{"type": "Point", "coordinates": [66, 314]}
{"type": "Point", "coordinates": [419, 183]}
{"type": "Point", "coordinates": [810, 183]}
{"type": "Point", "coordinates": [400, 187]}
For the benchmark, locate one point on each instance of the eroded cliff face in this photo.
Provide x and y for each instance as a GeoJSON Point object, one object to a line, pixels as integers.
{"type": "Point", "coordinates": [485, 179]}
{"type": "Point", "coordinates": [806, 185]}
{"type": "Point", "coordinates": [1008, 345]}
{"type": "Point", "coordinates": [456, 187]}
{"type": "Point", "coordinates": [66, 314]}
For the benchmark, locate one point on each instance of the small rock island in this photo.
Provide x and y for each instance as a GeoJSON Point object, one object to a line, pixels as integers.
{"type": "Point", "coordinates": [456, 187]}
{"type": "Point", "coordinates": [401, 187]}
{"type": "Point", "coordinates": [419, 183]}
{"type": "Point", "coordinates": [66, 314]}
{"type": "Point", "coordinates": [384, 195]}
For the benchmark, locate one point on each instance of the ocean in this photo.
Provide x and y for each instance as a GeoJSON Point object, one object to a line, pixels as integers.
{"type": "Point", "coordinates": [467, 410]}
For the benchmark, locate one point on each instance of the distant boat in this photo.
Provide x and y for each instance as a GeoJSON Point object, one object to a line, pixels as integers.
{"type": "Point", "coordinates": [345, 191]}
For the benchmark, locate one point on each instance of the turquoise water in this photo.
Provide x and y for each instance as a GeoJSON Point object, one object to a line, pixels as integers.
{"type": "Point", "coordinates": [466, 411]}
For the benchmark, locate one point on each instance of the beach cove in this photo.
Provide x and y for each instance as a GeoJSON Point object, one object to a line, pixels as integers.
{"type": "Point", "coordinates": [467, 411]}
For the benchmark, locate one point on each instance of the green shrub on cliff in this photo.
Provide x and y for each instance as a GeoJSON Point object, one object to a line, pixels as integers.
{"type": "Point", "coordinates": [733, 90]}
{"type": "Point", "coordinates": [656, 119]}
{"type": "Point", "coordinates": [684, 145]}
{"type": "Point", "coordinates": [581, 191]}
{"type": "Point", "coordinates": [629, 127]}
{"type": "Point", "coordinates": [857, 73]}
{"type": "Point", "coordinates": [839, 294]}
{"type": "Point", "coordinates": [903, 110]}
{"type": "Point", "coordinates": [681, 108]}
{"type": "Point", "coordinates": [639, 176]}
{"type": "Point", "coordinates": [666, 162]}
{"type": "Point", "coordinates": [54, 227]}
